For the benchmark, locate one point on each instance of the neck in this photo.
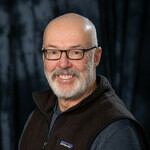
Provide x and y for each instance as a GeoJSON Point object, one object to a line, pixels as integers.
{"type": "Point", "coordinates": [66, 104]}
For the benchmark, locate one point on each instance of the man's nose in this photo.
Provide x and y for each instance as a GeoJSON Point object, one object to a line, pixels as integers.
{"type": "Point", "coordinates": [64, 62]}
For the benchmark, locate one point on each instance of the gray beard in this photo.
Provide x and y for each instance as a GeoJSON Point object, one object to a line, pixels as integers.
{"type": "Point", "coordinates": [77, 91]}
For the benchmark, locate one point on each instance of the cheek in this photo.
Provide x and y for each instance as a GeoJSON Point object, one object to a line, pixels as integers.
{"type": "Point", "coordinates": [49, 66]}
{"type": "Point", "coordinates": [80, 65]}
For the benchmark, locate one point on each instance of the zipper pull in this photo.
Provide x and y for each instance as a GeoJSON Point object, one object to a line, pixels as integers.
{"type": "Point", "coordinates": [44, 145]}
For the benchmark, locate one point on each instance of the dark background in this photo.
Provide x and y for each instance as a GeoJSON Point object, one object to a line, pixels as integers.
{"type": "Point", "coordinates": [123, 28]}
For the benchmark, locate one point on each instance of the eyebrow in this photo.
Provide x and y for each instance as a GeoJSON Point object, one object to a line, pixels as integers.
{"type": "Point", "coordinates": [50, 45]}
{"type": "Point", "coordinates": [71, 47]}
{"type": "Point", "coordinates": [77, 46]}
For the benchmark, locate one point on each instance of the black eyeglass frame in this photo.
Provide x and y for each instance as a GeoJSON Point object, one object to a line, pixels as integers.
{"type": "Point", "coordinates": [84, 50]}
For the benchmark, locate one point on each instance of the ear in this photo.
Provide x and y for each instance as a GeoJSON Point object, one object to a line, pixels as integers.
{"type": "Point", "coordinates": [97, 56]}
{"type": "Point", "coordinates": [43, 55]}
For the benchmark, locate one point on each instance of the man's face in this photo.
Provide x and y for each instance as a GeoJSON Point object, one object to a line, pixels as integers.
{"type": "Point", "coordinates": [69, 82]}
{"type": "Point", "coordinates": [69, 79]}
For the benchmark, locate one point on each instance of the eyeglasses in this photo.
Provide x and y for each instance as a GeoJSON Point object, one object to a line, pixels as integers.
{"type": "Point", "coordinates": [73, 54]}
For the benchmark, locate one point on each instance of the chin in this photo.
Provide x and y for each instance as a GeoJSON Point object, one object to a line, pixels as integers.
{"type": "Point", "coordinates": [66, 91]}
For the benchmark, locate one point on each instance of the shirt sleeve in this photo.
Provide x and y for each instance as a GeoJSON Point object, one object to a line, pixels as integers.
{"type": "Point", "coordinates": [117, 137]}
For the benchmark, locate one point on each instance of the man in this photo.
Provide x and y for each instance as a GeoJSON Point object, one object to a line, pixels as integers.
{"type": "Point", "coordinates": [82, 111]}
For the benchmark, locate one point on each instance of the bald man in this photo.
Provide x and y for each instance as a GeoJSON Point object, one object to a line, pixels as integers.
{"type": "Point", "coordinates": [81, 111]}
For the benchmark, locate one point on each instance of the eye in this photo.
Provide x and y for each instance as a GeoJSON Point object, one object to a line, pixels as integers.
{"type": "Point", "coordinates": [76, 52]}
{"type": "Point", "coordinates": [53, 52]}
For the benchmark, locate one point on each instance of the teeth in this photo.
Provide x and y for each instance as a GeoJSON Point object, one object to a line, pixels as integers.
{"type": "Point", "coordinates": [65, 76]}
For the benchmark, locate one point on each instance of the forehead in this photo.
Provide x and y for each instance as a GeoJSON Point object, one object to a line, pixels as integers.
{"type": "Point", "coordinates": [67, 33]}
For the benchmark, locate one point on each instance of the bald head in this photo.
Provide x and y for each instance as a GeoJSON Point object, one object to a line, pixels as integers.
{"type": "Point", "coordinates": [70, 30]}
{"type": "Point", "coordinates": [69, 72]}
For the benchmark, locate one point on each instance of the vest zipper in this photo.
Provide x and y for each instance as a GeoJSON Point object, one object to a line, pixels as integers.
{"type": "Point", "coordinates": [47, 138]}
{"type": "Point", "coordinates": [44, 145]}
{"type": "Point", "coordinates": [48, 133]}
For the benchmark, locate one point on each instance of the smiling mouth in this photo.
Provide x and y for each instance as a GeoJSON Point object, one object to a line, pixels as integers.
{"type": "Point", "coordinates": [65, 77]}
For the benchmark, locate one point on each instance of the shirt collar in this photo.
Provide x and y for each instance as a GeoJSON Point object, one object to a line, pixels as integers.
{"type": "Point", "coordinates": [57, 109]}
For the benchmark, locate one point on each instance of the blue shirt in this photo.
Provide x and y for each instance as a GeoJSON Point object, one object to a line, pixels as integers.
{"type": "Point", "coordinates": [119, 135]}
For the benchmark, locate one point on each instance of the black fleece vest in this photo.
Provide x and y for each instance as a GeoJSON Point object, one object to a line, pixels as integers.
{"type": "Point", "coordinates": [77, 127]}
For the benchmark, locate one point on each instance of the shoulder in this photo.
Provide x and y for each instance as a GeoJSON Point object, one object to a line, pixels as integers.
{"type": "Point", "coordinates": [29, 118]}
{"type": "Point", "coordinates": [34, 115]}
{"type": "Point", "coordinates": [31, 126]}
{"type": "Point", "coordinates": [120, 134]}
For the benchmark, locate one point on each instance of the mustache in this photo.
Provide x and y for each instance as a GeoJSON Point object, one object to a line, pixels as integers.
{"type": "Point", "coordinates": [65, 72]}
